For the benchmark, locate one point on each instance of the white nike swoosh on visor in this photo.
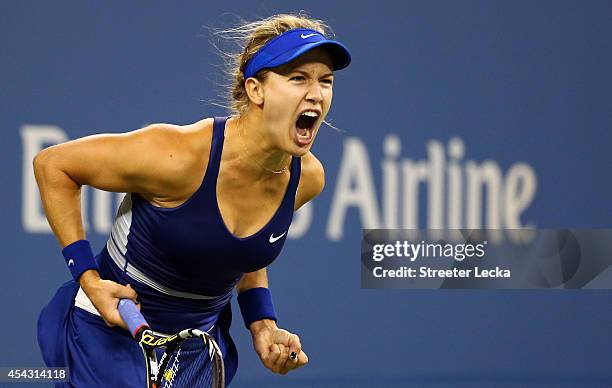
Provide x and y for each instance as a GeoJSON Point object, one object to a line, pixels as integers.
{"type": "Point", "coordinates": [275, 239]}
{"type": "Point", "coordinates": [70, 262]}
{"type": "Point", "coordinates": [307, 36]}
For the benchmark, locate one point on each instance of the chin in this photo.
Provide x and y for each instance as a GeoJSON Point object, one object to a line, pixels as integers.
{"type": "Point", "coordinates": [301, 152]}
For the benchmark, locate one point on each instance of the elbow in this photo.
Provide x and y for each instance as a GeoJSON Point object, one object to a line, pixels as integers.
{"type": "Point", "coordinates": [49, 171]}
{"type": "Point", "coordinates": [43, 164]}
{"type": "Point", "coordinates": [40, 160]}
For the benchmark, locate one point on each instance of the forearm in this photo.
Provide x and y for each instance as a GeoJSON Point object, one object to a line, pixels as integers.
{"type": "Point", "coordinates": [252, 280]}
{"type": "Point", "coordinates": [61, 199]}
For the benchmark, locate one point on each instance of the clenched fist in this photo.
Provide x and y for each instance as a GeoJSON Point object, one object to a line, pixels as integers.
{"type": "Point", "coordinates": [279, 350]}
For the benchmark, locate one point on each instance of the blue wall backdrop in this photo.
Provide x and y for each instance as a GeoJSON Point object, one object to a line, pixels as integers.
{"type": "Point", "coordinates": [514, 96]}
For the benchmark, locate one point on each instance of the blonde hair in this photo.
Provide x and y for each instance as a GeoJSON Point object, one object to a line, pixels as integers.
{"type": "Point", "coordinates": [250, 37]}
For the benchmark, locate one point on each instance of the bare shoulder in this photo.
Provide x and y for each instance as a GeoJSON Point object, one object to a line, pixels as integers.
{"type": "Point", "coordinates": [199, 134]}
{"type": "Point", "coordinates": [187, 139]}
{"type": "Point", "coordinates": [166, 160]}
{"type": "Point", "coordinates": [180, 153]}
{"type": "Point", "coordinates": [312, 180]}
{"type": "Point", "coordinates": [173, 146]}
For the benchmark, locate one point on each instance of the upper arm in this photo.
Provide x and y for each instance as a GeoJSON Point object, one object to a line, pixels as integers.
{"type": "Point", "coordinates": [312, 180]}
{"type": "Point", "coordinates": [147, 160]}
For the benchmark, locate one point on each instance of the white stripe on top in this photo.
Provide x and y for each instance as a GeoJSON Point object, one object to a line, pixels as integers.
{"type": "Point", "coordinates": [122, 224]}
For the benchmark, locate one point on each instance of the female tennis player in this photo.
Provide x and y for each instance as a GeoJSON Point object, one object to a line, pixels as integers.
{"type": "Point", "coordinates": [208, 207]}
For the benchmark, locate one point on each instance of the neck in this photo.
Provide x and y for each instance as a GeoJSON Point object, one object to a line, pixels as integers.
{"type": "Point", "coordinates": [253, 142]}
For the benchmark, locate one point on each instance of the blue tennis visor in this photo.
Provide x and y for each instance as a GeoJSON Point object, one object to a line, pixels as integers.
{"type": "Point", "coordinates": [290, 45]}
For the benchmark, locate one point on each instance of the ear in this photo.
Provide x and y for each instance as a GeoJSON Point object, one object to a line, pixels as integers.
{"type": "Point", "coordinates": [254, 90]}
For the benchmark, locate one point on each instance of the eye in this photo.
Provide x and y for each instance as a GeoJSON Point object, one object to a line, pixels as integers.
{"type": "Point", "coordinates": [297, 78]}
{"type": "Point", "coordinates": [328, 81]}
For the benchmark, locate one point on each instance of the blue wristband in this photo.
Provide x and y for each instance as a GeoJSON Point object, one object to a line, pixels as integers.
{"type": "Point", "coordinates": [79, 258]}
{"type": "Point", "coordinates": [256, 304]}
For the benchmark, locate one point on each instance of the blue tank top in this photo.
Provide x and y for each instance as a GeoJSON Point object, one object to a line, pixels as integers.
{"type": "Point", "coordinates": [186, 255]}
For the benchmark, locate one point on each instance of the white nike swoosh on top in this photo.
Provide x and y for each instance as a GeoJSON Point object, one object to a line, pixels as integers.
{"type": "Point", "coordinates": [275, 239]}
{"type": "Point", "coordinates": [70, 262]}
{"type": "Point", "coordinates": [307, 36]}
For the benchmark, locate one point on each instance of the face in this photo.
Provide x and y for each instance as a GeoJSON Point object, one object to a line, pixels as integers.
{"type": "Point", "coordinates": [296, 99]}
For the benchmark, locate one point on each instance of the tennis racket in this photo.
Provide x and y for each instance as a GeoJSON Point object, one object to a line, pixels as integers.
{"type": "Point", "coordinates": [181, 363]}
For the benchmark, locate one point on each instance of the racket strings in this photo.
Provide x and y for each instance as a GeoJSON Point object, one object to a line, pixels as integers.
{"type": "Point", "coordinates": [189, 366]}
{"type": "Point", "coordinates": [172, 369]}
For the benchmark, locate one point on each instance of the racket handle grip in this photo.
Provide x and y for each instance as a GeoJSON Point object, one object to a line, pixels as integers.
{"type": "Point", "coordinates": [132, 317]}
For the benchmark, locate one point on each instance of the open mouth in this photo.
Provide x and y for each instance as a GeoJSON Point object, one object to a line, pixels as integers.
{"type": "Point", "coordinates": [305, 126]}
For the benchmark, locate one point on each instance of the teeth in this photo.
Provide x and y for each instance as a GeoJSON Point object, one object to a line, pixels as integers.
{"type": "Point", "coordinates": [310, 114]}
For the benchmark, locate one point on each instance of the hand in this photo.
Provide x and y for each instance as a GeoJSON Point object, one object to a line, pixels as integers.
{"type": "Point", "coordinates": [105, 296]}
{"type": "Point", "coordinates": [274, 347]}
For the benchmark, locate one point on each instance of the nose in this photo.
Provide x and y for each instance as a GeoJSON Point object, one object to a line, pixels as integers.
{"type": "Point", "coordinates": [315, 94]}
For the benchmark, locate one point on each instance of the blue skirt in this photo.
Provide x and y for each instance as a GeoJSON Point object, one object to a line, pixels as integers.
{"type": "Point", "coordinates": [101, 356]}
